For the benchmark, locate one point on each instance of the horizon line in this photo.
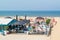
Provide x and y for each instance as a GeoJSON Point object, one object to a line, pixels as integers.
{"type": "Point", "coordinates": [29, 10]}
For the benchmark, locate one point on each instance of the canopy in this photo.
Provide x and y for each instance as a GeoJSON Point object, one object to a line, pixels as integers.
{"type": "Point", "coordinates": [39, 18]}
{"type": "Point", "coordinates": [5, 21]}
{"type": "Point", "coordinates": [21, 22]}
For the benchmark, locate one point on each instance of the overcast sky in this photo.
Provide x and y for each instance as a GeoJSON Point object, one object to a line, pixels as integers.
{"type": "Point", "coordinates": [29, 4]}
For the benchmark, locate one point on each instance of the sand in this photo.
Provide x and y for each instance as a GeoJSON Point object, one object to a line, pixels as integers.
{"type": "Point", "coordinates": [24, 37]}
{"type": "Point", "coordinates": [55, 35]}
{"type": "Point", "coordinates": [56, 30]}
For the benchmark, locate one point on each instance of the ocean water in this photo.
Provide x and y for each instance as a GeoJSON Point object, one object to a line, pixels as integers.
{"type": "Point", "coordinates": [30, 13]}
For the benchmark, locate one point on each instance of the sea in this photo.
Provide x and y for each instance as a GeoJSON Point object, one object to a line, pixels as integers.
{"type": "Point", "coordinates": [30, 13]}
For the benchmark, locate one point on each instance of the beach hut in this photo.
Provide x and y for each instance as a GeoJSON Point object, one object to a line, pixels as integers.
{"type": "Point", "coordinates": [4, 23]}
{"type": "Point", "coordinates": [12, 23]}
{"type": "Point", "coordinates": [22, 23]}
{"type": "Point", "coordinates": [19, 25]}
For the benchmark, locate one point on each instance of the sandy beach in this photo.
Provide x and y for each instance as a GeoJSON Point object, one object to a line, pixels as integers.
{"type": "Point", "coordinates": [55, 35]}
{"type": "Point", "coordinates": [24, 37]}
{"type": "Point", "coordinates": [55, 31]}
{"type": "Point", "coordinates": [29, 19]}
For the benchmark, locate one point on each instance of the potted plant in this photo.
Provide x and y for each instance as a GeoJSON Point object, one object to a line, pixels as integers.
{"type": "Point", "coordinates": [48, 21]}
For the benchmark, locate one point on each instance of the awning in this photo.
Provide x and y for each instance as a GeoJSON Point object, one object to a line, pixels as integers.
{"type": "Point", "coordinates": [21, 22]}
{"type": "Point", "coordinates": [39, 18]}
{"type": "Point", "coordinates": [5, 21]}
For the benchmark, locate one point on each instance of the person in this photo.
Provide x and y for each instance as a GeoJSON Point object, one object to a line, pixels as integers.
{"type": "Point", "coordinates": [29, 29]}
{"type": "Point", "coordinates": [54, 21]}
{"type": "Point", "coordinates": [25, 28]}
{"type": "Point", "coordinates": [16, 28]}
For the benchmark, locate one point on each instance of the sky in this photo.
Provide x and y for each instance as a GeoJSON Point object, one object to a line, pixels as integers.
{"type": "Point", "coordinates": [29, 4]}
